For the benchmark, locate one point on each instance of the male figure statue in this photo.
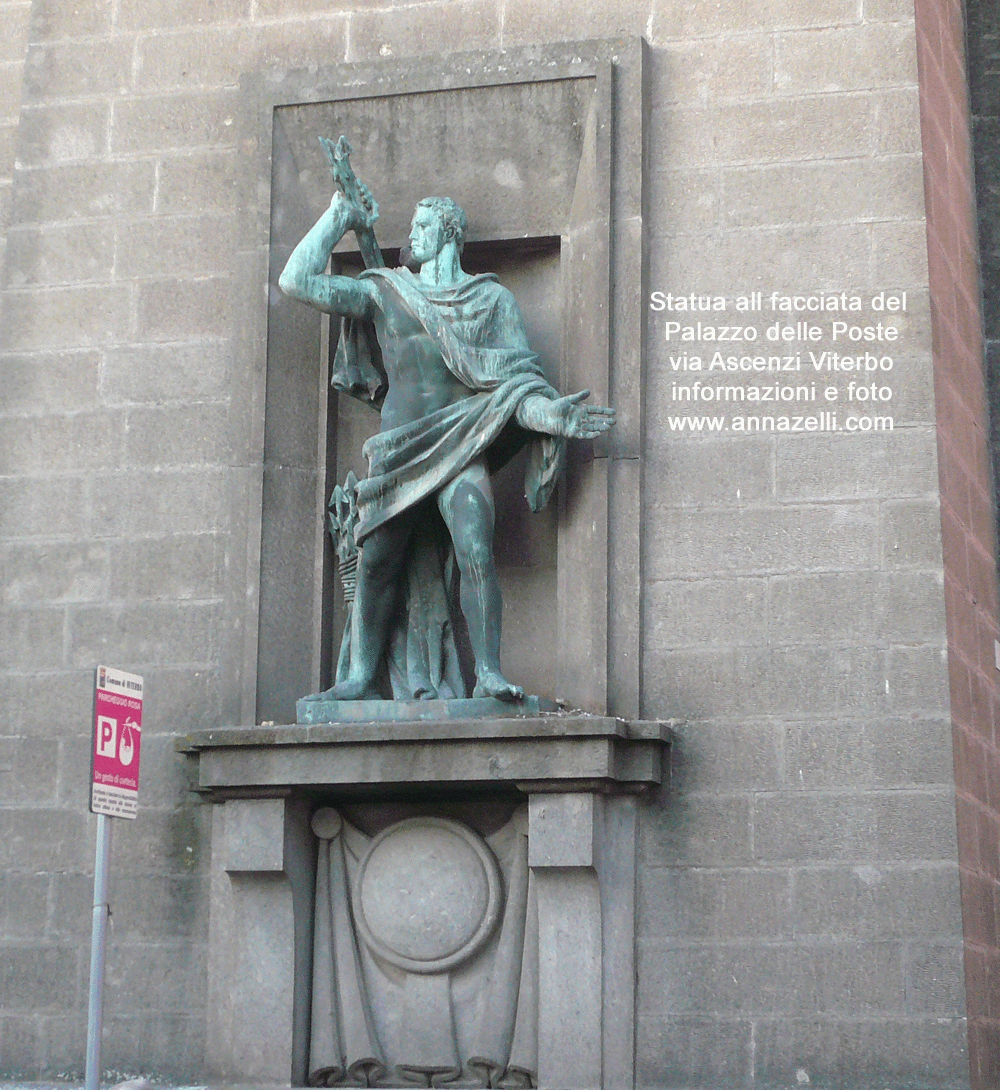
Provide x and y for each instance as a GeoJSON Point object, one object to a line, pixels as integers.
{"type": "Point", "coordinates": [461, 388]}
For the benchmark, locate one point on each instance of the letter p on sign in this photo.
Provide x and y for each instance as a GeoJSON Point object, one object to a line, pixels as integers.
{"type": "Point", "coordinates": [107, 732]}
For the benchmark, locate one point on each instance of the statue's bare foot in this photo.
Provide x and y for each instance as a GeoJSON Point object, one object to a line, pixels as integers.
{"type": "Point", "coordinates": [493, 683]}
{"type": "Point", "coordinates": [351, 689]}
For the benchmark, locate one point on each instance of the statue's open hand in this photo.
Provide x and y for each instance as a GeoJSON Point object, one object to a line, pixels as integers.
{"type": "Point", "coordinates": [578, 421]}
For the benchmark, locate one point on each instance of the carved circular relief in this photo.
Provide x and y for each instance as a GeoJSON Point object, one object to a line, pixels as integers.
{"type": "Point", "coordinates": [427, 894]}
{"type": "Point", "coordinates": [327, 823]}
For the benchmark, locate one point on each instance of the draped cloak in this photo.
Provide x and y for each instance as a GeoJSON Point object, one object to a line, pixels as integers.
{"type": "Point", "coordinates": [477, 327]}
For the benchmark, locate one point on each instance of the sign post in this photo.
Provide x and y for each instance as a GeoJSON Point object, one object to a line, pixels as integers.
{"type": "Point", "coordinates": [114, 792]}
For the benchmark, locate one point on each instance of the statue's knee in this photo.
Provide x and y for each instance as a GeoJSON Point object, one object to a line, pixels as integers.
{"type": "Point", "coordinates": [474, 556]}
{"type": "Point", "coordinates": [469, 506]}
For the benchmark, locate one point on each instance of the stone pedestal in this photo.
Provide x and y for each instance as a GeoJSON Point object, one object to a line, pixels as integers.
{"type": "Point", "coordinates": [579, 776]}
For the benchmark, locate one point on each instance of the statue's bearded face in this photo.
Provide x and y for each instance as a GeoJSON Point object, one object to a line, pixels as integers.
{"type": "Point", "coordinates": [427, 236]}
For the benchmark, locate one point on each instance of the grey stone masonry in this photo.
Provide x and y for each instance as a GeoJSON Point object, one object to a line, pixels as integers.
{"type": "Point", "coordinates": [578, 774]}
{"type": "Point", "coordinates": [548, 752]}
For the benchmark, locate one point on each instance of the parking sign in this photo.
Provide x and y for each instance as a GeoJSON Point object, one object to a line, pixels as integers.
{"type": "Point", "coordinates": [114, 788]}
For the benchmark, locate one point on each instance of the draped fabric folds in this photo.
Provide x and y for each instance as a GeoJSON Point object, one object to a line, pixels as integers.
{"type": "Point", "coordinates": [478, 329]}
{"type": "Point", "coordinates": [374, 1024]}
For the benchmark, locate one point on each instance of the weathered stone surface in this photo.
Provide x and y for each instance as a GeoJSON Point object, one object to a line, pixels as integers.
{"type": "Point", "coordinates": [253, 836]}
{"type": "Point", "coordinates": [95, 189]}
{"type": "Point", "coordinates": [66, 133]}
{"type": "Point", "coordinates": [838, 191]}
{"type": "Point", "coordinates": [78, 69]}
{"type": "Point", "coordinates": [400, 32]}
{"type": "Point", "coordinates": [560, 751]}
{"type": "Point", "coordinates": [60, 255]}
{"type": "Point", "coordinates": [692, 19]}
{"type": "Point", "coordinates": [847, 58]}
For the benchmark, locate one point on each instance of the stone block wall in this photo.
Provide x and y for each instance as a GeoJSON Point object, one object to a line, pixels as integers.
{"type": "Point", "coordinates": [794, 611]}
{"type": "Point", "coordinates": [809, 909]}
{"type": "Point", "coordinates": [15, 23]}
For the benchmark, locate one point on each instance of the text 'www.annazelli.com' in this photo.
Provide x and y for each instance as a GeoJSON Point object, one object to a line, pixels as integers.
{"type": "Point", "coordinates": [818, 422]}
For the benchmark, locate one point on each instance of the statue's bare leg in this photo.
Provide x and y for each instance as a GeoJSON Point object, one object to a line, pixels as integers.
{"type": "Point", "coordinates": [466, 505]}
{"type": "Point", "coordinates": [380, 565]}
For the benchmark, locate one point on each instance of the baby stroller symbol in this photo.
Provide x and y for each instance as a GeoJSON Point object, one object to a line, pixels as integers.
{"type": "Point", "coordinates": [126, 747]}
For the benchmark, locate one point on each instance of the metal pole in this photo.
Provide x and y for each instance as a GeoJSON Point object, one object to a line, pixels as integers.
{"type": "Point", "coordinates": [98, 949]}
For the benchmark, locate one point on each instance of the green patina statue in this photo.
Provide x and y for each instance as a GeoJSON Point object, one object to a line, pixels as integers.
{"type": "Point", "coordinates": [445, 357]}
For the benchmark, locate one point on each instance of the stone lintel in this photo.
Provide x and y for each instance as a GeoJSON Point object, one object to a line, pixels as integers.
{"type": "Point", "coordinates": [542, 753]}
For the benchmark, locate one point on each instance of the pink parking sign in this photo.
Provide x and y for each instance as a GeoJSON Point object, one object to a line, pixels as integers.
{"type": "Point", "coordinates": [114, 788]}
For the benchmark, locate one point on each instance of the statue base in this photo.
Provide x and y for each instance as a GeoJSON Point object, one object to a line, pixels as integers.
{"type": "Point", "coordinates": [321, 709]}
{"type": "Point", "coordinates": [570, 781]}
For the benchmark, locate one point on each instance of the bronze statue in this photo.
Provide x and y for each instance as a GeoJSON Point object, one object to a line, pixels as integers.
{"type": "Point", "coordinates": [445, 356]}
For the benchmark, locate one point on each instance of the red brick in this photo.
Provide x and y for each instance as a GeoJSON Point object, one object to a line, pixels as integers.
{"type": "Point", "coordinates": [981, 725]}
{"type": "Point", "coordinates": [964, 223]}
{"type": "Point", "coordinates": [986, 633]}
{"type": "Point", "coordinates": [935, 346]}
{"type": "Point", "coordinates": [966, 320]}
{"type": "Point", "coordinates": [981, 460]}
{"type": "Point", "coordinates": [954, 604]}
{"type": "Point", "coordinates": [951, 346]}
{"type": "Point", "coordinates": [953, 546]}
{"type": "Point", "coordinates": [954, 482]}
{"type": "Point", "coordinates": [968, 841]}
{"type": "Point", "coordinates": [989, 843]}
{"type": "Point", "coordinates": [969, 325]}
{"type": "Point", "coordinates": [952, 22]}
{"type": "Point", "coordinates": [970, 774]}
{"type": "Point", "coordinates": [977, 977]}
{"type": "Point", "coordinates": [988, 1034]}
{"type": "Point", "coordinates": [978, 910]}
{"type": "Point", "coordinates": [966, 369]}
{"type": "Point", "coordinates": [966, 438]}
{"type": "Point", "coordinates": [975, 1050]}
{"type": "Point", "coordinates": [966, 510]}
{"type": "Point", "coordinates": [927, 26]}
{"type": "Point", "coordinates": [939, 273]}
{"type": "Point", "coordinates": [962, 633]}
{"type": "Point", "coordinates": [967, 375]}
{"type": "Point", "coordinates": [986, 613]}
{"type": "Point", "coordinates": [928, 37]}
{"type": "Point", "coordinates": [954, 70]}
{"type": "Point", "coordinates": [936, 196]}
{"type": "Point", "coordinates": [995, 770]}
{"type": "Point", "coordinates": [959, 690]}
{"type": "Point", "coordinates": [982, 573]}
{"type": "Point", "coordinates": [990, 967]}
{"type": "Point", "coordinates": [976, 452]}
{"type": "Point", "coordinates": [946, 404]}
{"type": "Point", "coordinates": [933, 138]}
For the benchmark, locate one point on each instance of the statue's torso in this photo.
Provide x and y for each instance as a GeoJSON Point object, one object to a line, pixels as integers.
{"type": "Point", "coordinates": [419, 380]}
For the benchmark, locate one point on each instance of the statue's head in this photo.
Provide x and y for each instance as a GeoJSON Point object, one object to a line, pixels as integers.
{"type": "Point", "coordinates": [436, 222]}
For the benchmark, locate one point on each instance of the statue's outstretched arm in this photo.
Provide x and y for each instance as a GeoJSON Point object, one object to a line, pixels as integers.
{"type": "Point", "coordinates": [305, 277]}
{"type": "Point", "coordinates": [566, 416]}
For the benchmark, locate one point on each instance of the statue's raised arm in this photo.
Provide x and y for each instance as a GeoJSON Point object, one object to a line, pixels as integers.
{"type": "Point", "coordinates": [352, 209]}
